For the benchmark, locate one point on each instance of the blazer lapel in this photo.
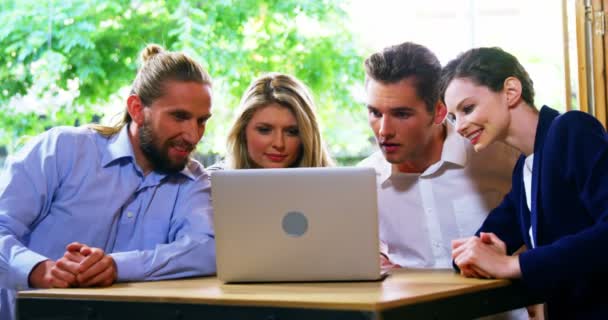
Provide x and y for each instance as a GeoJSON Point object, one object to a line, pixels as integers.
{"type": "Point", "coordinates": [545, 119]}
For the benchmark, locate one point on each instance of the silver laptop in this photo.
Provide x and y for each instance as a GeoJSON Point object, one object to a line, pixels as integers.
{"type": "Point", "coordinates": [297, 224]}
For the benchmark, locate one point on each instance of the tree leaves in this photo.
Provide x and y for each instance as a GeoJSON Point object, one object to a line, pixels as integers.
{"type": "Point", "coordinates": [96, 44]}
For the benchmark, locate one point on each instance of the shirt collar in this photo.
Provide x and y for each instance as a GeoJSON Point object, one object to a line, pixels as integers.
{"type": "Point", "coordinates": [454, 151]}
{"type": "Point", "coordinates": [454, 148]}
{"type": "Point", "coordinates": [120, 147]}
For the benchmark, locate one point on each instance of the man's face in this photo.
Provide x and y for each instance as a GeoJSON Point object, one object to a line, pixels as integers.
{"type": "Point", "coordinates": [174, 124]}
{"type": "Point", "coordinates": [400, 120]}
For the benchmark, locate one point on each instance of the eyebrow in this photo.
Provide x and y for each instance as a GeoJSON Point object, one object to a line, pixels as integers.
{"type": "Point", "coordinates": [272, 125]}
{"type": "Point", "coordinates": [462, 103]}
{"type": "Point", "coordinates": [393, 109]}
{"type": "Point", "coordinates": [178, 110]}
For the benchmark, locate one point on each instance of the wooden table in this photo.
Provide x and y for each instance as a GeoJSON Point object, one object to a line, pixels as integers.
{"type": "Point", "coordinates": [405, 294]}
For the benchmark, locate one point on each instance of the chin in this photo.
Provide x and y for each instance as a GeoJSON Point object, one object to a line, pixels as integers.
{"type": "Point", "coordinates": [479, 147]}
{"type": "Point", "coordinates": [393, 158]}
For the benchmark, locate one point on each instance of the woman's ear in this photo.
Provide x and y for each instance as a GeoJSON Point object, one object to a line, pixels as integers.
{"type": "Point", "coordinates": [512, 89]}
{"type": "Point", "coordinates": [135, 109]}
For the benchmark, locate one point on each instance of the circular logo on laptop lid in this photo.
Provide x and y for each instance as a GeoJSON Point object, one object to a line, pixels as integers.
{"type": "Point", "coordinates": [295, 224]}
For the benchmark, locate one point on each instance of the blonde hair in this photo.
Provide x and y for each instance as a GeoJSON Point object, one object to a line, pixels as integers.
{"type": "Point", "coordinates": [157, 67]}
{"type": "Point", "coordinates": [292, 94]}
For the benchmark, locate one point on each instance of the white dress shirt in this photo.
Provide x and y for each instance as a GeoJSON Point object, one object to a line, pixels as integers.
{"type": "Point", "coordinates": [420, 213]}
{"type": "Point", "coordinates": [528, 164]}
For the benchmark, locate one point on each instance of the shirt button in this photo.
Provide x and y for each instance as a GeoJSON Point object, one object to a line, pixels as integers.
{"type": "Point", "coordinates": [130, 214]}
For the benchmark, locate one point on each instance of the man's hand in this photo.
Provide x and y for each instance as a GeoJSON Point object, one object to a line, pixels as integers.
{"type": "Point", "coordinates": [95, 268]}
{"type": "Point", "coordinates": [51, 274]}
{"type": "Point", "coordinates": [386, 264]}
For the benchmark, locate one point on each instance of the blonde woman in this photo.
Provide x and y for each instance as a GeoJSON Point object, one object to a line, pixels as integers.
{"type": "Point", "coordinates": [275, 127]}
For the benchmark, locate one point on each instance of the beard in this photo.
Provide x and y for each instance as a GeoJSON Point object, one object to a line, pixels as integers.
{"type": "Point", "coordinates": [157, 152]}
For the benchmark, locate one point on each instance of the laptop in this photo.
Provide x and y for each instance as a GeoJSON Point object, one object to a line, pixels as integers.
{"type": "Point", "coordinates": [296, 224]}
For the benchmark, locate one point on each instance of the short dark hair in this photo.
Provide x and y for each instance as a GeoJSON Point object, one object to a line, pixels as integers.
{"type": "Point", "coordinates": [407, 60]}
{"type": "Point", "coordinates": [488, 67]}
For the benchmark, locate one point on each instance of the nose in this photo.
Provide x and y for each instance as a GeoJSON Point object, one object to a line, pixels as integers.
{"type": "Point", "coordinates": [386, 129]}
{"type": "Point", "coordinates": [460, 126]}
{"type": "Point", "coordinates": [278, 141]}
{"type": "Point", "coordinates": [193, 132]}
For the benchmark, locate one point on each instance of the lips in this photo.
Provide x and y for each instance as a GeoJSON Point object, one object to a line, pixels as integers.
{"type": "Point", "coordinates": [182, 149]}
{"type": "Point", "coordinates": [474, 136]}
{"type": "Point", "coordinates": [389, 147]}
{"type": "Point", "coordinates": [181, 152]}
{"type": "Point", "coordinates": [276, 157]}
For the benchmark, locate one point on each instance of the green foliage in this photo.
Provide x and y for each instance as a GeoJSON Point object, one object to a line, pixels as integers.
{"type": "Point", "coordinates": [62, 62]}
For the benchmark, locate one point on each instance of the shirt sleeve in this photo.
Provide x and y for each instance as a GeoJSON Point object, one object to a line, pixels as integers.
{"type": "Point", "coordinates": [503, 220]}
{"type": "Point", "coordinates": [26, 187]}
{"type": "Point", "coordinates": [191, 248]}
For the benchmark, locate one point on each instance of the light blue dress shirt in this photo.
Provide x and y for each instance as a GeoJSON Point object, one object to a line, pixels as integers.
{"type": "Point", "coordinates": [73, 184]}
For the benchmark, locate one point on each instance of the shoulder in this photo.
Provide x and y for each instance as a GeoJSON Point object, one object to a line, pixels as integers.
{"type": "Point", "coordinates": [218, 166]}
{"type": "Point", "coordinates": [573, 121]}
{"type": "Point", "coordinates": [195, 170]}
{"type": "Point", "coordinates": [73, 136]}
{"type": "Point", "coordinates": [571, 129]}
{"type": "Point", "coordinates": [62, 137]}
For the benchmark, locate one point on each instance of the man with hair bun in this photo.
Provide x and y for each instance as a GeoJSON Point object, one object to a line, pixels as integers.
{"type": "Point", "coordinates": [89, 206]}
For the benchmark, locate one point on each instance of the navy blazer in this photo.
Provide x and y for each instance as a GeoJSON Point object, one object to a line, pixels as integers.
{"type": "Point", "coordinates": [569, 216]}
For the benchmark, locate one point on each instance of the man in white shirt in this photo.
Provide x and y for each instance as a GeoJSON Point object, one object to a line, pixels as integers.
{"type": "Point", "coordinates": [432, 186]}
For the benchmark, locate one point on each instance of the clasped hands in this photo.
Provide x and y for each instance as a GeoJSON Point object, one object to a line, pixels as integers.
{"type": "Point", "coordinates": [80, 266]}
{"type": "Point", "coordinates": [484, 257]}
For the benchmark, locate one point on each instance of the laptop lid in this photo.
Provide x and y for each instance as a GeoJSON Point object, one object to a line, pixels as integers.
{"type": "Point", "coordinates": [296, 224]}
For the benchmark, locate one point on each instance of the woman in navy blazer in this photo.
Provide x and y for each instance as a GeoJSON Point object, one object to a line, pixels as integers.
{"type": "Point", "coordinates": [558, 204]}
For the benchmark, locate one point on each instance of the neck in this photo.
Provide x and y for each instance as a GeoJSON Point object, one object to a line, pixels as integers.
{"type": "Point", "coordinates": [522, 132]}
{"type": "Point", "coordinates": [430, 154]}
{"type": "Point", "coordinates": [140, 158]}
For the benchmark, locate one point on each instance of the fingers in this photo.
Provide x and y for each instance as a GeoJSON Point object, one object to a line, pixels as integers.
{"type": "Point", "coordinates": [99, 273]}
{"type": "Point", "coordinates": [43, 276]}
{"type": "Point", "coordinates": [463, 245]}
{"type": "Point", "coordinates": [104, 278]}
{"type": "Point", "coordinates": [57, 283]}
{"type": "Point", "coordinates": [91, 257]}
{"type": "Point", "coordinates": [73, 256]}
{"type": "Point", "coordinates": [82, 266]}
{"type": "Point", "coordinates": [487, 237]}
{"type": "Point", "coordinates": [70, 262]}
{"type": "Point", "coordinates": [481, 273]}
{"type": "Point", "coordinates": [66, 270]}
{"type": "Point", "coordinates": [61, 277]}
{"type": "Point", "coordinates": [458, 242]}
{"type": "Point", "coordinates": [386, 264]}
{"type": "Point", "coordinates": [493, 240]}
{"type": "Point", "coordinates": [74, 246]}
{"type": "Point", "coordinates": [490, 238]}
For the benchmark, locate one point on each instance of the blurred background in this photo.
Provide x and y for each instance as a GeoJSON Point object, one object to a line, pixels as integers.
{"type": "Point", "coordinates": [72, 62]}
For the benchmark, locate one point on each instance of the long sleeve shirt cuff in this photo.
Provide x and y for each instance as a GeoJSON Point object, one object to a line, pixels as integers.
{"type": "Point", "coordinates": [23, 263]}
{"type": "Point", "coordinates": [129, 265]}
